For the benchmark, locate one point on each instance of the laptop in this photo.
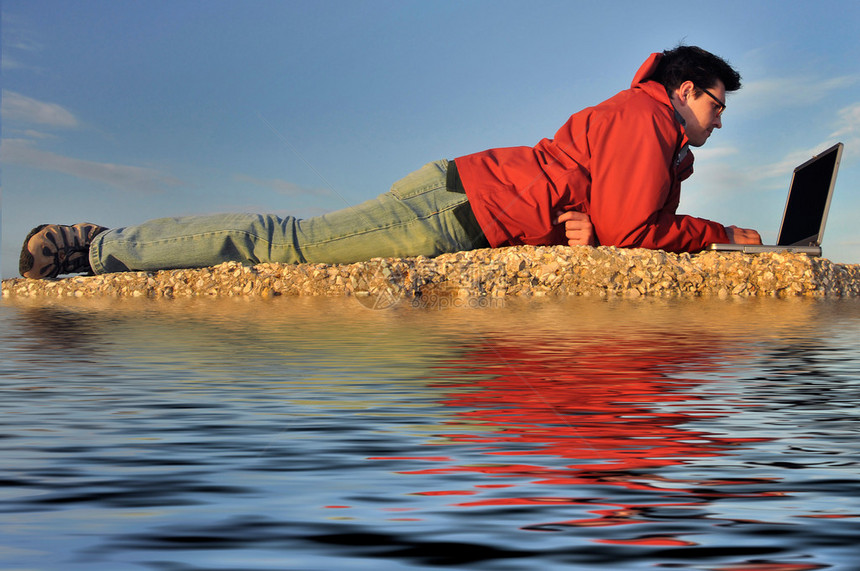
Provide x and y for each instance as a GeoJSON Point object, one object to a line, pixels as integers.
{"type": "Point", "coordinates": [805, 214]}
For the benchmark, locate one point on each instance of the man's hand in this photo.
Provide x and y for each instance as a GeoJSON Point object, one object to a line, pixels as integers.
{"type": "Point", "coordinates": [742, 235]}
{"type": "Point", "coordinates": [577, 228]}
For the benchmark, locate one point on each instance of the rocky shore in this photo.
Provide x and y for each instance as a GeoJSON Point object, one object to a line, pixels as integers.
{"type": "Point", "coordinates": [515, 271]}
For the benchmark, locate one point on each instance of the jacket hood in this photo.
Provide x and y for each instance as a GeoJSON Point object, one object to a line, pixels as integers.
{"type": "Point", "coordinates": [656, 90]}
{"type": "Point", "coordinates": [647, 69]}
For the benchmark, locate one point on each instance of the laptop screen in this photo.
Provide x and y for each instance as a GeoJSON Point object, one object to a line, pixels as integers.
{"type": "Point", "coordinates": [809, 199]}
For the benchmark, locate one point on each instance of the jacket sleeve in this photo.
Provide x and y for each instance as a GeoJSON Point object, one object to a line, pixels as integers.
{"type": "Point", "coordinates": [635, 187]}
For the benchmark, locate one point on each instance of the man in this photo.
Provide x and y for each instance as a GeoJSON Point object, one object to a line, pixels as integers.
{"type": "Point", "coordinates": [612, 176]}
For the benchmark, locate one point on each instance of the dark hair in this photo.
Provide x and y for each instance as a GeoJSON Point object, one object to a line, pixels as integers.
{"type": "Point", "coordinates": [691, 63]}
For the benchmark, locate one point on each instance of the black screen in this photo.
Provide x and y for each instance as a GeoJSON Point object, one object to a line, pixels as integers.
{"type": "Point", "coordinates": [808, 200]}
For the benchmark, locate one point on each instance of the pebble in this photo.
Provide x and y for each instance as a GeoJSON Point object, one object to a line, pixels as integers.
{"type": "Point", "coordinates": [496, 272]}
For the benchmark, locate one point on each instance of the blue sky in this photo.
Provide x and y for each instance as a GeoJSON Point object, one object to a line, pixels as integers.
{"type": "Point", "coordinates": [116, 111]}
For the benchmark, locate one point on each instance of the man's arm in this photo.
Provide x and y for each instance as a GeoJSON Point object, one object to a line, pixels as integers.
{"type": "Point", "coordinates": [579, 231]}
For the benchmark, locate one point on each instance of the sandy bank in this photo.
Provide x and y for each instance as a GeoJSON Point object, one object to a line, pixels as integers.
{"type": "Point", "coordinates": [517, 271]}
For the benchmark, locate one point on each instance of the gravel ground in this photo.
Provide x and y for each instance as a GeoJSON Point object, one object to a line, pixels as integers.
{"type": "Point", "coordinates": [515, 271]}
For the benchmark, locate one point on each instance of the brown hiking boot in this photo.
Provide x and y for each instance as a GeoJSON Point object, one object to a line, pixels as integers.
{"type": "Point", "coordinates": [53, 249]}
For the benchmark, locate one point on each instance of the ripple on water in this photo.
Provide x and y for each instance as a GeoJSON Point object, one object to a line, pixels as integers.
{"type": "Point", "coordinates": [318, 434]}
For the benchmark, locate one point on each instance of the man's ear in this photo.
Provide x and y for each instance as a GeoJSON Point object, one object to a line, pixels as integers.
{"type": "Point", "coordinates": [684, 92]}
{"type": "Point", "coordinates": [689, 89]}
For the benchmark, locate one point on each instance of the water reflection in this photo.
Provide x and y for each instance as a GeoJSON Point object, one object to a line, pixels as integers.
{"type": "Point", "coordinates": [616, 413]}
{"type": "Point", "coordinates": [318, 434]}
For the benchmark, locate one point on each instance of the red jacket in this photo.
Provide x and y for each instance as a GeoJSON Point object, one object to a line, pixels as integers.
{"type": "Point", "coordinates": [621, 162]}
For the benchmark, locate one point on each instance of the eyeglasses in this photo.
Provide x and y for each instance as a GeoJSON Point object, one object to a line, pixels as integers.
{"type": "Point", "coordinates": [722, 106]}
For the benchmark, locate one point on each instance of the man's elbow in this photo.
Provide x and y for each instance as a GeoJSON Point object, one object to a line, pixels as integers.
{"type": "Point", "coordinates": [622, 239]}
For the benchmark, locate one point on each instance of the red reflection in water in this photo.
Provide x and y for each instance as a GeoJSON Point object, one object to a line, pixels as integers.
{"type": "Point", "coordinates": [610, 408]}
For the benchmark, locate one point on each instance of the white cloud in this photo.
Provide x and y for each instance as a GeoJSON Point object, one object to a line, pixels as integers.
{"type": "Point", "coordinates": [30, 134]}
{"type": "Point", "coordinates": [17, 40]}
{"type": "Point", "coordinates": [848, 130]}
{"type": "Point", "coordinates": [282, 186]}
{"type": "Point", "coordinates": [782, 92]}
{"type": "Point", "coordinates": [714, 160]}
{"type": "Point", "coordinates": [713, 153]}
{"type": "Point", "coordinates": [849, 121]}
{"type": "Point", "coordinates": [20, 108]}
{"type": "Point", "coordinates": [125, 177]}
{"type": "Point", "coordinates": [17, 35]}
{"type": "Point", "coordinates": [22, 150]}
{"type": "Point", "coordinates": [8, 63]}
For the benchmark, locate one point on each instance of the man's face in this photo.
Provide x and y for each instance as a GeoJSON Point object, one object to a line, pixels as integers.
{"type": "Point", "coordinates": [700, 110]}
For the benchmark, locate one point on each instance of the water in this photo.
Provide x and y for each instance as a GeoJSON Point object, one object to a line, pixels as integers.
{"type": "Point", "coordinates": [317, 434]}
